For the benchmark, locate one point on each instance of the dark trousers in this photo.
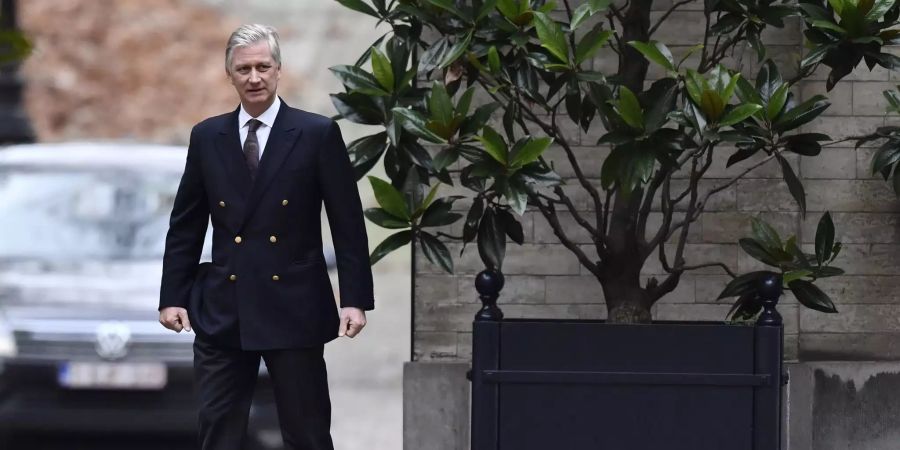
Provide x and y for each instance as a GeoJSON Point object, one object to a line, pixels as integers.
{"type": "Point", "coordinates": [226, 379]}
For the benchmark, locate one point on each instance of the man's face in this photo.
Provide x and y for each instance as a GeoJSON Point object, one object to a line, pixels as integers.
{"type": "Point", "coordinates": [255, 76]}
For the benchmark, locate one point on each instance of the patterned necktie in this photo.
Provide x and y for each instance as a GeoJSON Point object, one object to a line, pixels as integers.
{"type": "Point", "coordinates": [251, 147]}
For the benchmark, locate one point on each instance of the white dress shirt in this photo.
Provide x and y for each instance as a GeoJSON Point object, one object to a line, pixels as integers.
{"type": "Point", "coordinates": [262, 133]}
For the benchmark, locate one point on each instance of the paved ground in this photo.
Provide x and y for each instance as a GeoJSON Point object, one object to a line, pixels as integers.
{"type": "Point", "coordinates": [365, 373]}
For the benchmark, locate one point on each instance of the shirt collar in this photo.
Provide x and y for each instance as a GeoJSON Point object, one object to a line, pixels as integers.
{"type": "Point", "coordinates": [267, 117]}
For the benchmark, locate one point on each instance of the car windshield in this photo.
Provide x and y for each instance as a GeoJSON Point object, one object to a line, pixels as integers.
{"type": "Point", "coordinates": [66, 214]}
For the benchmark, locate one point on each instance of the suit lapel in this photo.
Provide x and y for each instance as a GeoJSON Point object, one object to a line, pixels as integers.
{"type": "Point", "coordinates": [229, 149]}
{"type": "Point", "coordinates": [281, 141]}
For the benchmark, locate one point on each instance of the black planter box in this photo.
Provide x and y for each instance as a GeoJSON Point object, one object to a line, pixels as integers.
{"type": "Point", "coordinates": [580, 384]}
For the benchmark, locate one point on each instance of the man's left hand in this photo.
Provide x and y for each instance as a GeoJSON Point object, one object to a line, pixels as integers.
{"type": "Point", "coordinates": [352, 321]}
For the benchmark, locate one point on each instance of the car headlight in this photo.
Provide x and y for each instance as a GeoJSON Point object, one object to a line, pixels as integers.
{"type": "Point", "coordinates": [7, 340]}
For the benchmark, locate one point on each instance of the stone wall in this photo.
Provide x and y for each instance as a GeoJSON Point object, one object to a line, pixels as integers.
{"type": "Point", "coordinates": [543, 279]}
{"type": "Point", "coordinates": [149, 70]}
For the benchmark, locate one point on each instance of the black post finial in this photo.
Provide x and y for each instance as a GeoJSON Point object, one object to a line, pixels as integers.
{"type": "Point", "coordinates": [769, 293]}
{"type": "Point", "coordinates": [488, 283]}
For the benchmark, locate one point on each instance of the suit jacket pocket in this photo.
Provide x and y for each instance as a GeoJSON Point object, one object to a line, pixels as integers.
{"type": "Point", "coordinates": [304, 279]}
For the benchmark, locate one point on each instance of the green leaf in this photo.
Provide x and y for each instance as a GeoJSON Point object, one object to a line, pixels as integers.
{"type": "Point", "coordinates": [415, 123]}
{"type": "Point", "coordinates": [768, 80]}
{"type": "Point", "coordinates": [590, 43]}
{"type": "Point", "coordinates": [494, 60]}
{"type": "Point", "coordinates": [727, 23]}
{"type": "Point", "coordinates": [765, 234]}
{"type": "Point", "coordinates": [394, 130]}
{"type": "Point", "coordinates": [661, 98]}
{"type": "Point", "coordinates": [695, 85]}
{"type": "Point", "coordinates": [427, 201]}
{"type": "Point", "coordinates": [445, 158]}
{"type": "Point", "coordinates": [814, 56]}
{"type": "Point", "coordinates": [580, 15]}
{"type": "Point", "coordinates": [357, 108]}
{"type": "Point", "coordinates": [358, 80]}
{"type": "Point", "coordinates": [359, 6]}
{"type": "Point", "coordinates": [494, 145]}
{"type": "Point", "coordinates": [509, 8]}
{"type": "Point", "coordinates": [512, 226]}
{"type": "Point", "coordinates": [795, 275]}
{"type": "Point", "coordinates": [838, 5]}
{"type": "Point", "coordinates": [486, 7]}
{"type": "Point", "coordinates": [794, 184]}
{"type": "Point", "coordinates": [802, 113]}
{"type": "Point", "coordinates": [530, 152]}
{"type": "Point", "coordinates": [439, 104]}
{"type": "Point", "coordinates": [384, 219]}
{"type": "Point", "coordinates": [365, 151]}
{"type": "Point", "coordinates": [389, 198]}
{"type": "Point", "coordinates": [810, 296]}
{"type": "Point", "coordinates": [599, 5]}
{"type": "Point", "coordinates": [728, 92]}
{"type": "Point", "coordinates": [456, 51]}
{"type": "Point", "coordinates": [757, 251]}
{"type": "Point", "coordinates": [824, 238]}
{"type": "Point", "coordinates": [893, 99]}
{"type": "Point", "coordinates": [712, 105]}
{"type": "Point", "coordinates": [828, 25]}
{"type": "Point", "coordinates": [776, 101]}
{"type": "Point", "coordinates": [551, 36]}
{"type": "Point", "coordinates": [390, 244]}
{"type": "Point", "coordinates": [449, 6]}
{"type": "Point", "coordinates": [738, 114]}
{"type": "Point", "coordinates": [473, 217]}
{"type": "Point", "coordinates": [747, 93]}
{"type": "Point", "coordinates": [384, 73]}
{"type": "Point", "coordinates": [656, 52]}
{"type": "Point", "coordinates": [879, 8]}
{"type": "Point", "coordinates": [806, 144]}
{"type": "Point", "coordinates": [491, 240]}
{"type": "Point", "coordinates": [885, 157]}
{"type": "Point", "coordinates": [437, 52]}
{"type": "Point", "coordinates": [436, 251]}
{"type": "Point", "coordinates": [743, 284]}
{"type": "Point", "coordinates": [438, 213]}
{"type": "Point", "coordinates": [516, 196]}
{"type": "Point", "coordinates": [629, 108]}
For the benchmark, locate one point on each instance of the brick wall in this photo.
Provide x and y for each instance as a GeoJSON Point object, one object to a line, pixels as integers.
{"type": "Point", "coordinates": [543, 279]}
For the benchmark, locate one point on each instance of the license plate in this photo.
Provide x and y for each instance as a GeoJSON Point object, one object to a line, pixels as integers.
{"type": "Point", "coordinates": [103, 375]}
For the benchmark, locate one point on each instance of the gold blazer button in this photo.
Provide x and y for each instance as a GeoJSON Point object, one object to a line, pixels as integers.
{"type": "Point", "coordinates": [273, 239]}
{"type": "Point", "coordinates": [275, 278]}
{"type": "Point", "coordinates": [237, 239]}
{"type": "Point", "coordinates": [222, 204]}
{"type": "Point", "coordinates": [232, 277]}
{"type": "Point", "coordinates": [284, 203]}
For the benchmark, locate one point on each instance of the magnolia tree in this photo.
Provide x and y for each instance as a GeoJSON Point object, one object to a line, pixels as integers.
{"type": "Point", "coordinates": [531, 61]}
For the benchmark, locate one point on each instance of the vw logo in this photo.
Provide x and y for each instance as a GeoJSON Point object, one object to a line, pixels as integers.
{"type": "Point", "coordinates": [112, 340]}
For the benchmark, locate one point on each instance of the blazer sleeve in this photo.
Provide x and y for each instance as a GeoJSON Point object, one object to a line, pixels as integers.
{"type": "Point", "coordinates": [337, 182]}
{"type": "Point", "coordinates": [187, 231]}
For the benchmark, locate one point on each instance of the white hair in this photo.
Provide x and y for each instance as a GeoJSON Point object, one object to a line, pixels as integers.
{"type": "Point", "coordinates": [250, 34]}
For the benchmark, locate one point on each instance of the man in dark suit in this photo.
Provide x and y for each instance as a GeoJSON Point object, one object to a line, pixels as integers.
{"type": "Point", "coordinates": [261, 174]}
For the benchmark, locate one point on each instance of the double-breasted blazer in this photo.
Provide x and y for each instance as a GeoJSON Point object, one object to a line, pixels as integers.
{"type": "Point", "coordinates": [267, 286]}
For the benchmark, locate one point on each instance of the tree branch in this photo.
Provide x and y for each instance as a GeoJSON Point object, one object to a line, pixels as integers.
{"type": "Point", "coordinates": [563, 198]}
{"type": "Point", "coordinates": [550, 214]}
{"type": "Point", "coordinates": [667, 14]}
{"type": "Point", "coordinates": [712, 264]}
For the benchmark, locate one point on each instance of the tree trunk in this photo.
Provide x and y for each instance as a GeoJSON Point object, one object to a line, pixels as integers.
{"type": "Point", "coordinates": [626, 302]}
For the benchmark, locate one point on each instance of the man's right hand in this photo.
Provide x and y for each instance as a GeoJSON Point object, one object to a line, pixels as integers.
{"type": "Point", "coordinates": [175, 318]}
